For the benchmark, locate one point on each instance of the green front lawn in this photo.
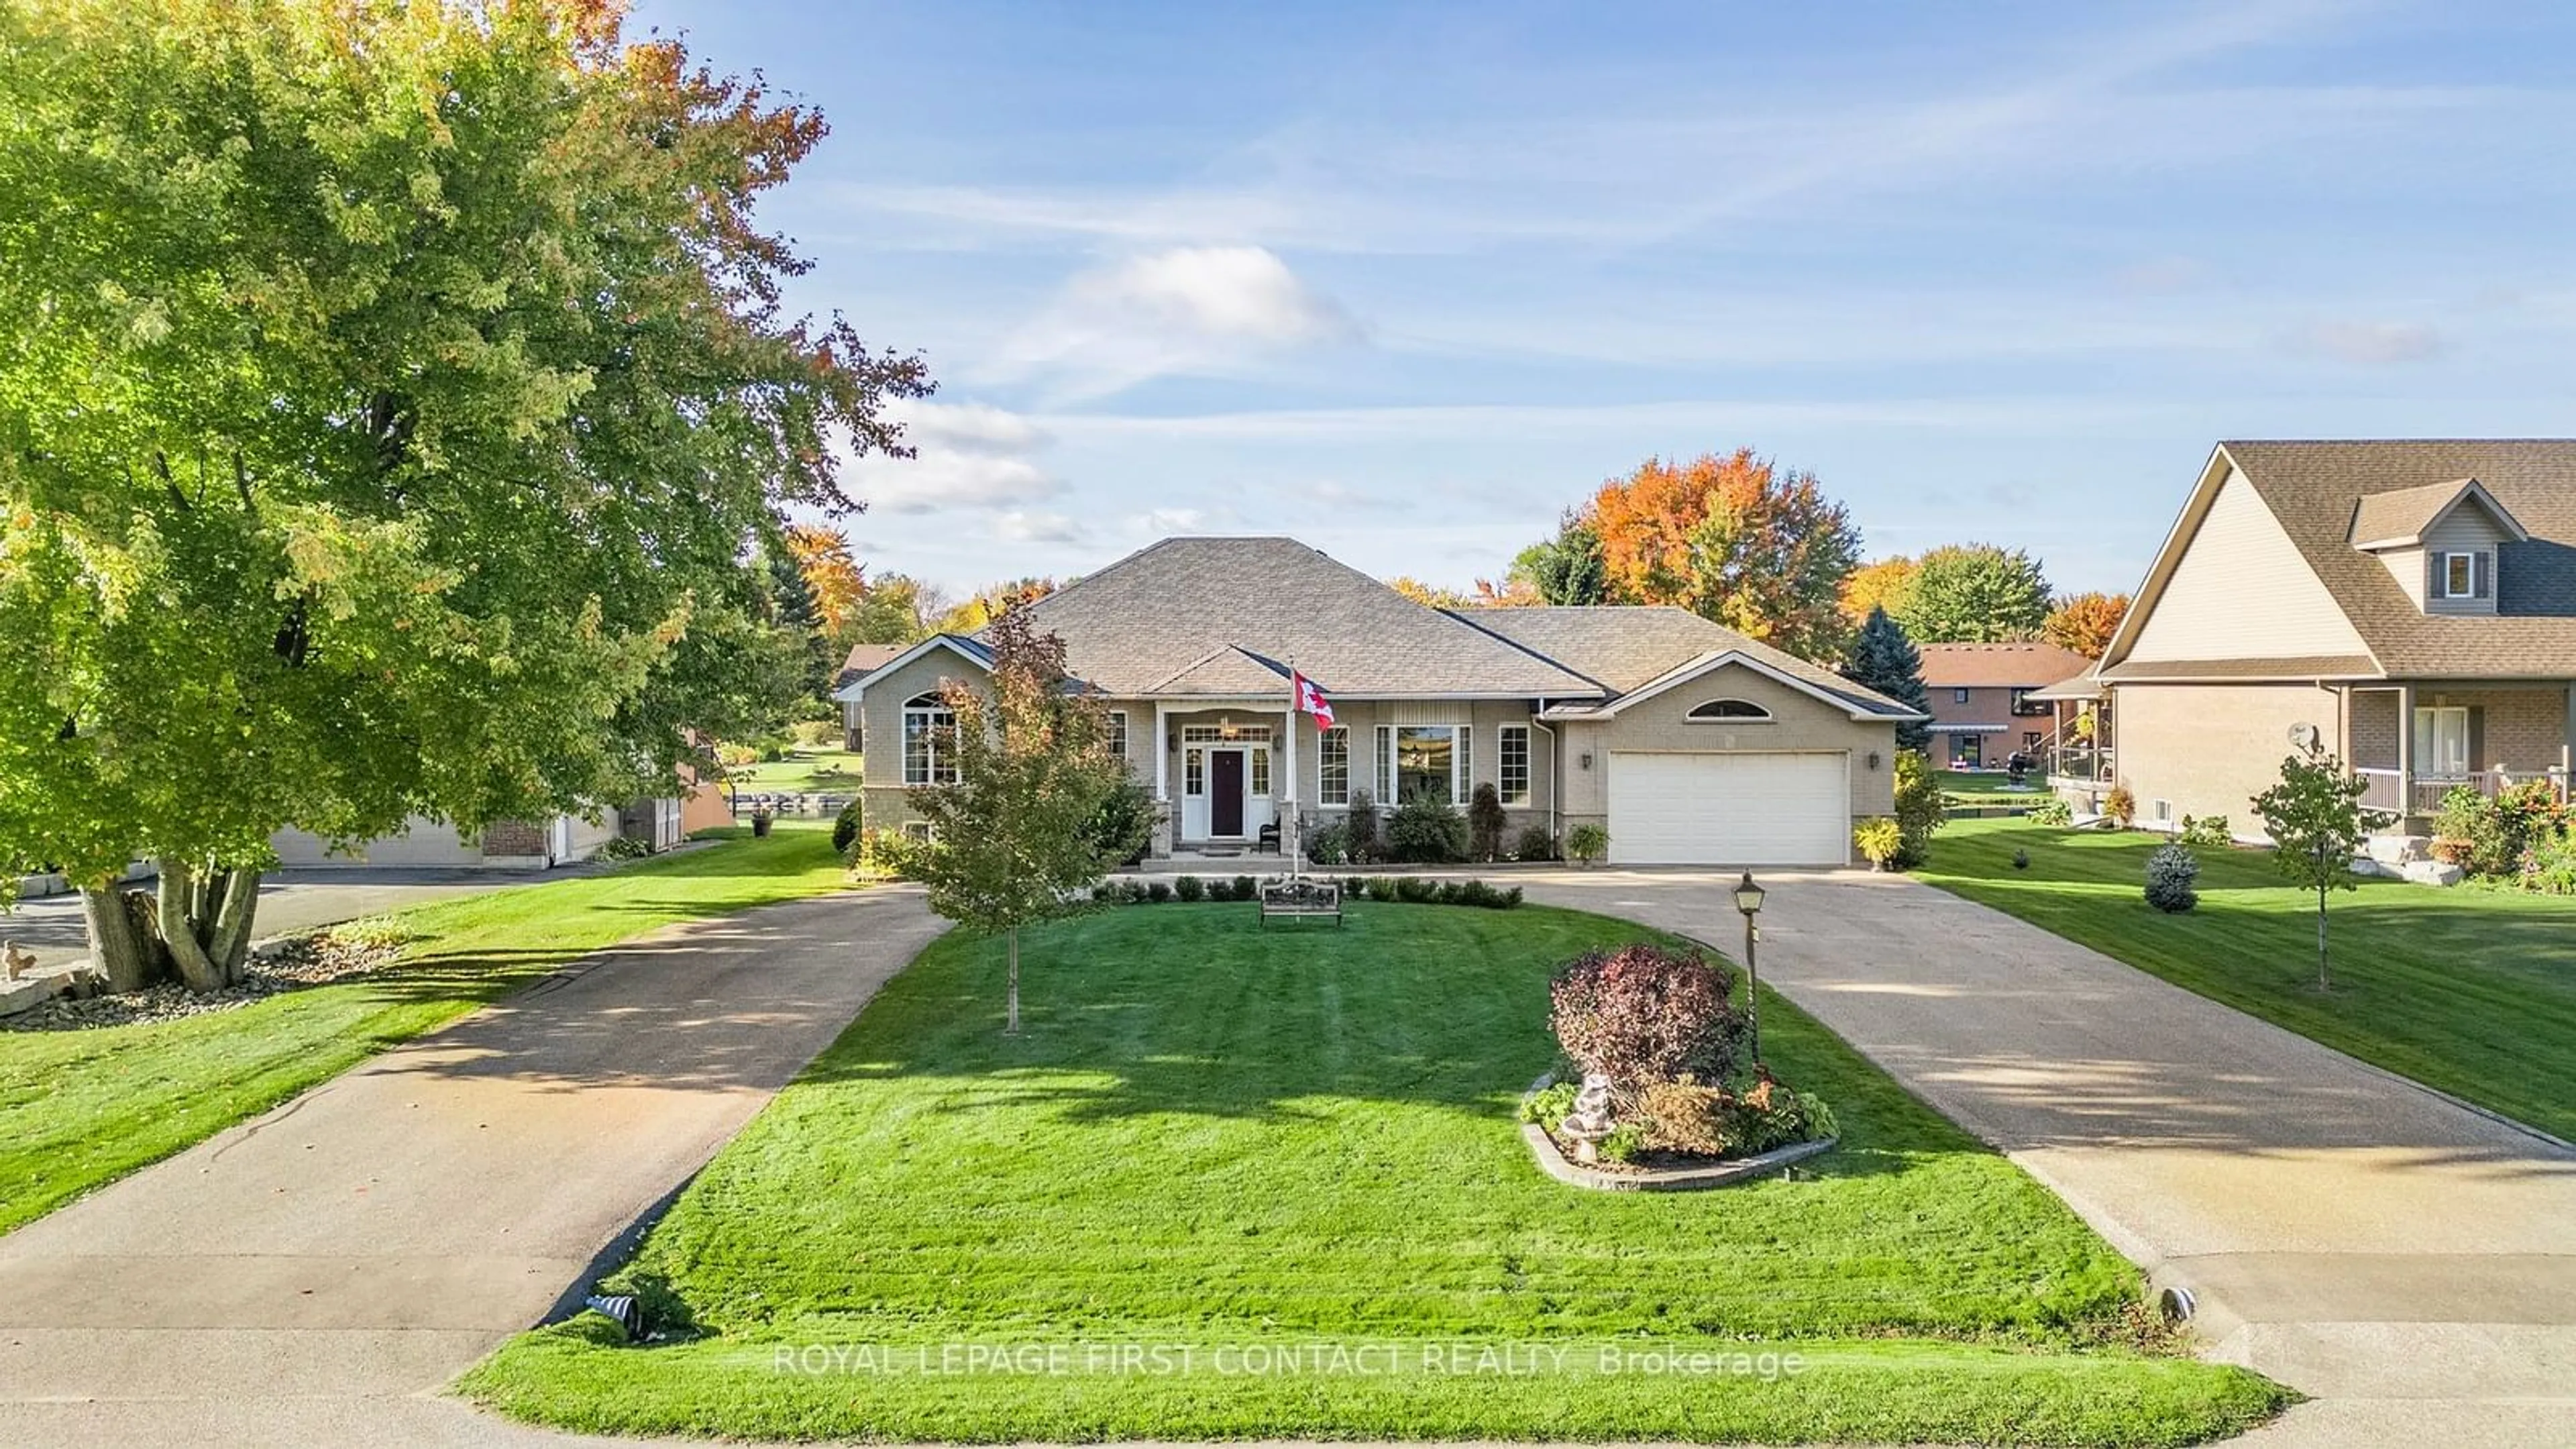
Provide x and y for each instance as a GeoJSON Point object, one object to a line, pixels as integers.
{"type": "Point", "coordinates": [82, 1108]}
{"type": "Point", "coordinates": [1988, 788]}
{"type": "Point", "coordinates": [1245, 1185]}
{"type": "Point", "coordinates": [801, 772]}
{"type": "Point", "coordinates": [2471, 991]}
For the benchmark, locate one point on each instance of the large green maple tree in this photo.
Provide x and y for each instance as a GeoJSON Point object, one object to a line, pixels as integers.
{"type": "Point", "coordinates": [396, 400]}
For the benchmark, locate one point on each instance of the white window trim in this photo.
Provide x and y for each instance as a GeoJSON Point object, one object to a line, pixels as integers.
{"type": "Point", "coordinates": [1693, 715]}
{"type": "Point", "coordinates": [1324, 798]}
{"type": "Point", "coordinates": [2442, 564]}
{"type": "Point", "coordinates": [919, 718]}
{"type": "Point", "coordinates": [1502, 760]}
{"type": "Point", "coordinates": [1118, 733]}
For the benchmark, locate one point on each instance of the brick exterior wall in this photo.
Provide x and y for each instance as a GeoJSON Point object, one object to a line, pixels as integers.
{"type": "Point", "coordinates": [514, 838]}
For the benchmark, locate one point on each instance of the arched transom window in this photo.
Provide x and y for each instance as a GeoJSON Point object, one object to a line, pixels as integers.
{"type": "Point", "coordinates": [1730, 710]}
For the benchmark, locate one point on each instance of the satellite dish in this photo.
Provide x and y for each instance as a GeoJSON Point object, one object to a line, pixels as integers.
{"type": "Point", "coordinates": [2304, 736]}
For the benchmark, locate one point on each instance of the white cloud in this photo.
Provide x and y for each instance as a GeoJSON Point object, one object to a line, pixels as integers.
{"type": "Point", "coordinates": [969, 455]}
{"type": "Point", "coordinates": [1019, 526]}
{"type": "Point", "coordinates": [2375, 343]}
{"type": "Point", "coordinates": [1164, 522]}
{"type": "Point", "coordinates": [1183, 310]}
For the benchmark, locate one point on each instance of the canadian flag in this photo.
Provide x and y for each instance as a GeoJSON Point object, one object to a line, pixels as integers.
{"type": "Point", "coordinates": [1310, 699]}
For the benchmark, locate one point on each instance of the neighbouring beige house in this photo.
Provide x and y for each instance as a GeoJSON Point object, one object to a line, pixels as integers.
{"type": "Point", "coordinates": [2408, 606]}
{"type": "Point", "coordinates": [1983, 712]}
{"type": "Point", "coordinates": [1691, 743]}
{"type": "Point", "coordinates": [864, 659]}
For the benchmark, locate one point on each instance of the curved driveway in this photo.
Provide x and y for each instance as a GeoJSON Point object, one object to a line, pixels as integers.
{"type": "Point", "coordinates": [2406, 1260]}
{"type": "Point", "coordinates": [315, 1275]}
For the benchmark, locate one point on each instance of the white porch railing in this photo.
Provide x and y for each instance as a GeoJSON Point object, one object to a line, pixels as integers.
{"type": "Point", "coordinates": [2390, 790]}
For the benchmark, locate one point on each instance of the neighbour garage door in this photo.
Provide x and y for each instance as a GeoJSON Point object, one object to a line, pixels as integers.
{"type": "Point", "coordinates": [1738, 808]}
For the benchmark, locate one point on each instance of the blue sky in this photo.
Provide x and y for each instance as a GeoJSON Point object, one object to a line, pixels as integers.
{"type": "Point", "coordinates": [1405, 281]}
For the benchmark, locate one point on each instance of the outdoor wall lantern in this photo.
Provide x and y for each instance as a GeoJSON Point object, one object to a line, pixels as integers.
{"type": "Point", "coordinates": [1587, 759]}
{"type": "Point", "coordinates": [1873, 759]}
{"type": "Point", "coordinates": [1748, 899]}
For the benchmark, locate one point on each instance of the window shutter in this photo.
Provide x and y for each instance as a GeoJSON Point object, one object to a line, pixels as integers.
{"type": "Point", "coordinates": [2483, 569]}
{"type": "Point", "coordinates": [2477, 736]}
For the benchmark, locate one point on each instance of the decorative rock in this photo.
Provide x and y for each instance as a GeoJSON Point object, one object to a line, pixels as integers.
{"type": "Point", "coordinates": [2434, 872]}
{"type": "Point", "coordinates": [2398, 849]}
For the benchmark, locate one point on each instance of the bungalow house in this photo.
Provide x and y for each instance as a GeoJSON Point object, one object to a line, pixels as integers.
{"type": "Point", "coordinates": [1982, 710]}
{"type": "Point", "coordinates": [1691, 743]}
{"type": "Point", "coordinates": [2409, 607]}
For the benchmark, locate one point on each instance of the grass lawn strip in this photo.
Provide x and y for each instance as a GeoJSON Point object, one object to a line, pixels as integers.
{"type": "Point", "coordinates": [79, 1109]}
{"type": "Point", "coordinates": [2471, 990]}
{"type": "Point", "coordinates": [800, 772]}
{"type": "Point", "coordinates": [1213, 1139]}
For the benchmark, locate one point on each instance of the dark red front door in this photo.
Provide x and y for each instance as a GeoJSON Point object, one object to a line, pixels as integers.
{"type": "Point", "coordinates": [1225, 792]}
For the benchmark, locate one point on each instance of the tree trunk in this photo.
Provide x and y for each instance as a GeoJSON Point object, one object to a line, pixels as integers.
{"type": "Point", "coordinates": [230, 944]}
{"type": "Point", "coordinates": [1013, 1026]}
{"type": "Point", "coordinates": [195, 922]}
{"type": "Point", "coordinates": [118, 945]}
{"type": "Point", "coordinates": [2324, 981]}
{"type": "Point", "coordinates": [183, 930]}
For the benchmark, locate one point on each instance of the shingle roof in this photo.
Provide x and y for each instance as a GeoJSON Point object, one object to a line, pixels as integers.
{"type": "Point", "coordinates": [866, 659]}
{"type": "Point", "coordinates": [2023, 664]}
{"type": "Point", "coordinates": [2315, 489]}
{"type": "Point", "coordinates": [1627, 646]}
{"type": "Point", "coordinates": [1164, 609]}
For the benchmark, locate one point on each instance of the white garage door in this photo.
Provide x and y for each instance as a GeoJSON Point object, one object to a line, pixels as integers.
{"type": "Point", "coordinates": [1749, 808]}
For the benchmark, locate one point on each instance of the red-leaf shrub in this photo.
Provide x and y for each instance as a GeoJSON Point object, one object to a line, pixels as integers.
{"type": "Point", "coordinates": [1644, 1014]}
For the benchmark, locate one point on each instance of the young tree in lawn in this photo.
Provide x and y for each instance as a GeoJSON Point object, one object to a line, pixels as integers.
{"type": "Point", "coordinates": [2317, 824]}
{"type": "Point", "coordinates": [1018, 837]}
{"type": "Point", "coordinates": [1883, 659]}
{"type": "Point", "coordinates": [1974, 593]}
{"type": "Point", "coordinates": [1732, 539]}
{"type": "Point", "coordinates": [2085, 622]}
{"type": "Point", "coordinates": [395, 396]}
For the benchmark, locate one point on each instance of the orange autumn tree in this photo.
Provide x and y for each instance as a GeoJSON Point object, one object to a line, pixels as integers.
{"type": "Point", "coordinates": [839, 583]}
{"type": "Point", "coordinates": [1733, 539]}
{"type": "Point", "coordinates": [2085, 622]}
{"type": "Point", "coordinates": [1885, 584]}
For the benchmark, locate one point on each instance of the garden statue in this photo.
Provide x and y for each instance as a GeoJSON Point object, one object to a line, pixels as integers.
{"type": "Point", "coordinates": [1590, 1121]}
{"type": "Point", "coordinates": [18, 959]}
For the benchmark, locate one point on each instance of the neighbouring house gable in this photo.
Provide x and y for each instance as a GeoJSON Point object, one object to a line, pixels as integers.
{"type": "Point", "coordinates": [2235, 586]}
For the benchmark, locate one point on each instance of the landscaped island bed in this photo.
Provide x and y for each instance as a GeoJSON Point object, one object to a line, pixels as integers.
{"type": "Point", "coordinates": [1259, 1155]}
{"type": "Point", "coordinates": [2471, 990]}
{"type": "Point", "coordinates": [79, 1109]}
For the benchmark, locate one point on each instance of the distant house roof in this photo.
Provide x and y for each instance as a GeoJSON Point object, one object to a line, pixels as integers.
{"type": "Point", "coordinates": [2019, 665]}
{"type": "Point", "coordinates": [1158, 614]}
{"type": "Point", "coordinates": [2331, 496]}
{"type": "Point", "coordinates": [1629, 648]}
{"type": "Point", "coordinates": [866, 659]}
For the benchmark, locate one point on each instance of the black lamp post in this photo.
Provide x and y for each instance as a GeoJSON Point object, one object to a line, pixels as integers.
{"type": "Point", "coordinates": [1748, 899]}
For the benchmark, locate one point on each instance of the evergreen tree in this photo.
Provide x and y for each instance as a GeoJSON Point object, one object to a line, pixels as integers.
{"type": "Point", "coordinates": [1883, 659]}
{"type": "Point", "coordinates": [801, 619]}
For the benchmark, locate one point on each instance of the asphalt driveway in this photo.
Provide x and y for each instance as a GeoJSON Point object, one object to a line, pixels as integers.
{"type": "Point", "coordinates": [314, 1276]}
{"type": "Point", "coordinates": [2405, 1259]}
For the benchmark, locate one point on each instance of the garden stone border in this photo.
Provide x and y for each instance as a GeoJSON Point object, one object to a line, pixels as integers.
{"type": "Point", "coordinates": [1664, 1179]}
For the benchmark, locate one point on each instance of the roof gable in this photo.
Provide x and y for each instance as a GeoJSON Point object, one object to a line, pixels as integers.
{"type": "Point", "coordinates": [1842, 694]}
{"type": "Point", "coordinates": [972, 651]}
{"type": "Point", "coordinates": [1230, 670]}
{"type": "Point", "coordinates": [2405, 517]}
{"type": "Point", "coordinates": [2231, 583]}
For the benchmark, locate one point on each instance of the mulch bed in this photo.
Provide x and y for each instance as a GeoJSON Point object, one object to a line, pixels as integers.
{"type": "Point", "coordinates": [291, 965]}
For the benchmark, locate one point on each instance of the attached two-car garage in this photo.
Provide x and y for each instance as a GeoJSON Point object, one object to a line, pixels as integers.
{"type": "Point", "coordinates": [1735, 807]}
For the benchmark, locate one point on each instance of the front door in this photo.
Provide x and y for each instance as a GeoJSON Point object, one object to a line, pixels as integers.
{"type": "Point", "coordinates": [1225, 794]}
{"type": "Point", "coordinates": [2442, 740]}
